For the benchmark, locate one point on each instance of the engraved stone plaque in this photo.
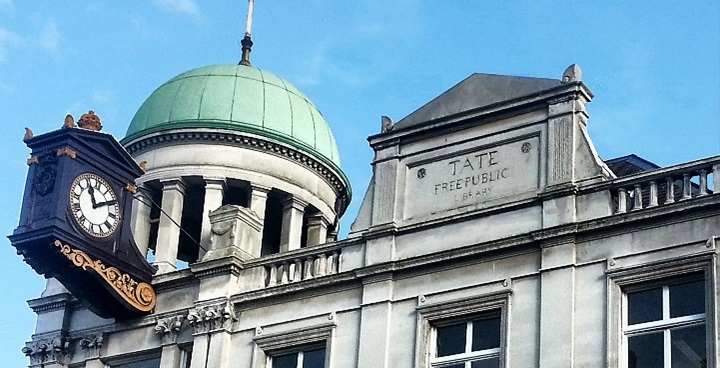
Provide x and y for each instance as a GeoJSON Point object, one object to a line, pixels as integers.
{"type": "Point", "coordinates": [472, 177]}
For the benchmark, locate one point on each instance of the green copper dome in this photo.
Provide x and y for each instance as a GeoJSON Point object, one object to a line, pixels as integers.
{"type": "Point", "coordinates": [239, 98]}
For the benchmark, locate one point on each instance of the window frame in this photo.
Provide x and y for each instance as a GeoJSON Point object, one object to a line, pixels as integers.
{"type": "Point", "coordinates": [649, 275]}
{"type": "Point", "coordinates": [292, 341]}
{"type": "Point", "coordinates": [457, 311]}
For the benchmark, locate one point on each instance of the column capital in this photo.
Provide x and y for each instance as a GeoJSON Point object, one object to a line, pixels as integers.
{"type": "Point", "coordinates": [176, 184]}
{"type": "Point", "coordinates": [259, 189]}
{"type": "Point", "coordinates": [294, 202]}
{"type": "Point", "coordinates": [215, 181]}
{"type": "Point", "coordinates": [317, 219]}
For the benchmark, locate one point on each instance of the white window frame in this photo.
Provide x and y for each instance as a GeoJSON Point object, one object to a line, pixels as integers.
{"type": "Point", "coordinates": [622, 280]}
{"type": "Point", "coordinates": [466, 309]}
{"type": "Point", "coordinates": [292, 341]}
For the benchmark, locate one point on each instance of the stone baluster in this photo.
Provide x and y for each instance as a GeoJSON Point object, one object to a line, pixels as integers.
{"type": "Point", "coordinates": [670, 190]}
{"type": "Point", "coordinates": [622, 200]}
{"type": "Point", "coordinates": [272, 277]}
{"type": "Point", "coordinates": [292, 222]}
{"type": "Point", "coordinates": [637, 194]}
{"type": "Point", "coordinates": [169, 228]}
{"type": "Point", "coordinates": [703, 183]}
{"type": "Point", "coordinates": [335, 265]}
{"type": "Point", "coordinates": [321, 265]}
{"type": "Point", "coordinates": [214, 192]}
{"type": "Point", "coordinates": [309, 265]}
{"type": "Point", "coordinates": [687, 187]}
{"type": "Point", "coordinates": [297, 276]}
{"type": "Point", "coordinates": [653, 194]}
{"type": "Point", "coordinates": [285, 275]}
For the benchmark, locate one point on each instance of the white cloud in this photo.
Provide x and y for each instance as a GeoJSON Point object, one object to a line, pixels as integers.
{"type": "Point", "coordinates": [49, 39]}
{"type": "Point", "coordinates": [102, 96]}
{"type": "Point", "coordinates": [181, 6]}
{"type": "Point", "coordinates": [7, 39]}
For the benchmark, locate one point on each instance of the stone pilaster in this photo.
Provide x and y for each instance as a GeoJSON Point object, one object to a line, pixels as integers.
{"type": "Point", "coordinates": [169, 229]}
{"type": "Point", "coordinates": [292, 223]}
{"type": "Point", "coordinates": [211, 328]}
{"type": "Point", "coordinates": [214, 192]}
{"type": "Point", "coordinates": [140, 224]}
{"type": "Point", "coordinates": [168, 328]}
{"type": "Point", "coordinates": [317, 230]}
{"type": "Point", "coordinates": [257, 199]}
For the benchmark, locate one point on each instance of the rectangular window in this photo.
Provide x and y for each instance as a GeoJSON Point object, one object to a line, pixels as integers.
{"type": "Point", "coordinates": [147, 363]}
{"type": "Point", "coordinates": [308, 358]}
{"type": "Point", "coordinates": [664, 324]}
{"type": "Point", "coordinates": [472, 342]}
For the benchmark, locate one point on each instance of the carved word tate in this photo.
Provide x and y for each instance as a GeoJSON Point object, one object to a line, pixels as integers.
{"type": "Point", "coordinates": [472, 175]}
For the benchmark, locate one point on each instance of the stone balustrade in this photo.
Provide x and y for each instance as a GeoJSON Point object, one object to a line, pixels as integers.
{"type": "Point", "coordinates": [666, 185]}
{"type": "Point", "coordinates": [302, 266]}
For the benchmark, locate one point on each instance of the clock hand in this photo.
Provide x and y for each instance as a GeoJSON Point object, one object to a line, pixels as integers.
{"type": "Point", "coordinates": [106, 203]}
{"type": "Point", "coordinates": [91, 191]}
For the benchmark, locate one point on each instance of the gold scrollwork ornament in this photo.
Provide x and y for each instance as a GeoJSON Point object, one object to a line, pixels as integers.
{"type": "Point", "coordinates": [138, 294]}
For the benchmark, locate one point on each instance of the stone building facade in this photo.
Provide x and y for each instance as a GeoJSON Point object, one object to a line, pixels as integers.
{"type": "Point", "coordinates": [491, 235]}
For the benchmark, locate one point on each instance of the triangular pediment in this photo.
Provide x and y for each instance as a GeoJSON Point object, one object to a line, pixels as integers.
{"type": "Point", "coordinates": [477, 91]}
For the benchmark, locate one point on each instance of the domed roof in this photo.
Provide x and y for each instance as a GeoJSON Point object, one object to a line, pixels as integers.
{"type": "Point", "coordinates": [239, 98]}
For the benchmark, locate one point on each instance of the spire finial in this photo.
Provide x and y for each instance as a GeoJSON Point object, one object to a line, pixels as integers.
{"type": "Point", "coordinates": [247, 41]}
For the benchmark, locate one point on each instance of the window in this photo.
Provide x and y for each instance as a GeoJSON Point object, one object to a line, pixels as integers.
{"type": "Point", "coordinates": [665, 324]}
{"type": "Point", "coordinates": [462, 333]}
{"type": "Point", "coordinates": [474, 343]}
{"type": "Point", "coordinates": [658, 311]}
{"type": "Point", "coordinates": [308, 358]}
{"type": "Point", "coordinates": [308, 347]}
{"type": "Point", "coordinates": [148, 363]}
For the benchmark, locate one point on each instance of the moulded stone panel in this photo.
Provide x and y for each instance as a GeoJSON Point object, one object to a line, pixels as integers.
{"type": "Point", "coordinates": [467, 178]}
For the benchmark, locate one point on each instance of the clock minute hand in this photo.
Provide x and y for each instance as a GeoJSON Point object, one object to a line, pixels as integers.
{"type": "Point", "coordinates": [106, 203]}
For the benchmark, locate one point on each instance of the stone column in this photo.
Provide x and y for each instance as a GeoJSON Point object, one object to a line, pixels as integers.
{"type": "Point", "coordinates": [169, 230]}
{"type": "Point", "coordinates": [292, 222]}
{"type": "Point", "coordinates": [211, 330]}
{"type": "Point", "coordinates": [214, 191]}
{"type": "Point", "coordinates": [317, 230]}
{"type": "Point", "coordinates": [257, 199]}
{"type": "Point", "coordinates": [140, 223]}
{"type": "Point", "coordinates": [91, 345]}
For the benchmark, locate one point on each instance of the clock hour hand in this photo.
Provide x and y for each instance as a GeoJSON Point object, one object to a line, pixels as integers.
{"type": "Point", "coordinates": [106, 203]}
{"type": "Point", "coordinates": [91, 191]}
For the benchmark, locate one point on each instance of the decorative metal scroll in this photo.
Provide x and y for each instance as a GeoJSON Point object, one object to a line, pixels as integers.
{"type": "Point", "coordinates": [138, 294]}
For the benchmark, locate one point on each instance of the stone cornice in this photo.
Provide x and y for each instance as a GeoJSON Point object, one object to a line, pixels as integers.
{"type": "Point", "coordinates": [51, 302]}
{"type": "Point", "coordinates": [329, 172]}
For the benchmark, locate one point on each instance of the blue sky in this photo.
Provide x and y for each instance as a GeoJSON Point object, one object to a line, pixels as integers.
{"type": "Point", "coordinates": [654, 68]}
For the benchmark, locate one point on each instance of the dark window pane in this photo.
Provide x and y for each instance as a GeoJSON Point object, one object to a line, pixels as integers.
{"type": "Point", "coordinates": [486, 363]}
{"type": "Point", "coordinates": [461, 365]}
{"type": "Point", "coordinates": [314, 359]}
{"type": "Point", "coordinates": [688, 347]}
{"type": "Point", "coordinates": [645, 351]}
{"type": "Point", "coordinates": [285, 361]}
{"type": "Point", "coordinates": [687, 299]}
{"type": "Point", "coordinates": [149, 363]}
{"type": "Point", "coordinates": [644, 306]}
{"type": "Point", "coordinates": [451, 339]}
{"type": "Point", "coordinates": [486, 334]}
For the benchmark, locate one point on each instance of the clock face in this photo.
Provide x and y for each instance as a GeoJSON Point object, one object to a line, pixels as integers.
{"type": "Point", "coordinates": [94, 205]}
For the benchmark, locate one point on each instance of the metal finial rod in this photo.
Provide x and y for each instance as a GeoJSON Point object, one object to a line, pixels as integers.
{"type": "Point", "coordinates": [248, 23]}
{"type": "Point", "coordinates": [247, 41]}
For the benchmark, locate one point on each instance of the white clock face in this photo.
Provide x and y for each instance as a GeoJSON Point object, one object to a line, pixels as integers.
{"type": "Point", "coordinates": [94, 205]}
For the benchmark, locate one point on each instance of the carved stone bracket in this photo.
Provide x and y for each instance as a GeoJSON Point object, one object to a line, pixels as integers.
{"type": "Point", "coordinates": [212, 318]}
{"type": "Point", "coordinates": [168, 328]}
{"type": "Point", "coordinates": [92, 344]}
{"type": "Point", "coordinates": [47, 351]}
